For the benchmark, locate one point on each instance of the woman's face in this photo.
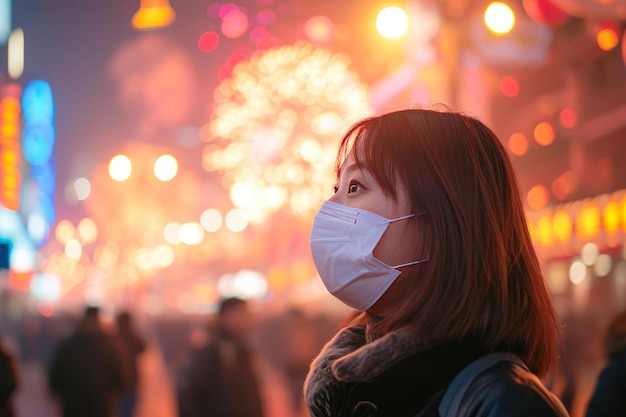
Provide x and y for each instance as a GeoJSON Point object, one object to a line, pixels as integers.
{"type": "Point", "coordinates": [358, 189]}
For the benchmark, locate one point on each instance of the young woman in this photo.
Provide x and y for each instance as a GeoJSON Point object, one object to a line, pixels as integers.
{"type": "Point", "coordinates": [426, 239]}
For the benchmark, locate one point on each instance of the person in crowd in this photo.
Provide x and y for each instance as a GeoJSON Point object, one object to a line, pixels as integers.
{"type": "Point", "coordinates": [131, 345]}
{"type": "Point", "coordinates": [425, 238]}
{"type": "Point", "coordinates": [8, 381]}
{"type": "Point", "coordinates": [220, 378]}
{"type": "Point", "coordinates": [86, 374]}
{"type": "Point", "coordinates": [608, 398]}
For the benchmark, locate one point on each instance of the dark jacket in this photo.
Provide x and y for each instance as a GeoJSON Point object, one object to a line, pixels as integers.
{"type": "Point", "coordinates": [219, 380]}
{"type": "Point", "coordinates": [8, 383]}
{"type": "Point", "coordinates": [397, 376]}
{"type": "Point", "coordinates": [609, 396]}
{"type": "Point", "coordinates": [86, 373]}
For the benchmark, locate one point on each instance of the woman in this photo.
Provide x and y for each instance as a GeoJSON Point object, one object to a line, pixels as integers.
{"type": "Point", "coordinates": [426, 239]}
{"type": "Point", "coordinates": [608, 397]}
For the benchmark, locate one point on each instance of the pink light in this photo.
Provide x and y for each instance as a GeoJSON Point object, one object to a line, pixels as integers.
{"type": "Point", "coordinates": [234, 24]}
{"type": "Point", "coordinates": [208, 41]}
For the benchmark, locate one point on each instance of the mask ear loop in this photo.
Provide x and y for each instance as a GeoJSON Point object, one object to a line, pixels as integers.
{"type": "Point", "coordinates": [410, 263]}
{"type": "Point", "coordinates": [414, 262]}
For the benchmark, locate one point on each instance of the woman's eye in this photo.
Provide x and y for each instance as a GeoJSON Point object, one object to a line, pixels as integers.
{"type": "Point", "coordinates": [353, 188]}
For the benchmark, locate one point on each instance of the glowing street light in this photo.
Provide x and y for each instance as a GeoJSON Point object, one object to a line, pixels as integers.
{"type": "Point", "coordinates": [165, 167]}
{"type": "Point", "coordinates": [120, 168]}
{"type": "Point", "coordinates": [499, 18]}
{"type": "Point", "coordinates": [392, 22]}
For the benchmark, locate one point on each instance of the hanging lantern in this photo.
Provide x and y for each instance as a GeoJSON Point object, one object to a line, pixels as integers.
{"type": "Point", "coordinates": [153, 14]}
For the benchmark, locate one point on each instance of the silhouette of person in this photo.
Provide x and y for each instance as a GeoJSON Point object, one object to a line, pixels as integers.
{"type": "Point", "coordinates": [131, 345]}
{"type": "Point", "coordinates": [85, 373]}
{"type": "Point", "coordinates": [608, 398]}
{"type": "Point", "coordinates": [8, 382]}
{"type": "Point", "coordinates": [219, 379]}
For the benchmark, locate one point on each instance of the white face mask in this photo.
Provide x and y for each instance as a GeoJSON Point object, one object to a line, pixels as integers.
{"type": "Point", "coordinates": [342, 243]}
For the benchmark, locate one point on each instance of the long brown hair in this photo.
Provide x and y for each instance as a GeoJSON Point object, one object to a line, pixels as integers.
{"type": "Point", "coordinates": [483, 279]}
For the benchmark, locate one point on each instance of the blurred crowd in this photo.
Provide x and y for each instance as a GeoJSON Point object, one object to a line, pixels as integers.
{"type": "Point", "coordinates": [237, 361]}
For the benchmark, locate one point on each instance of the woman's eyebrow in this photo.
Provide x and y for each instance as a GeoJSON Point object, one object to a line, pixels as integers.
{"type": "Point", "coordinates": [348, 169]}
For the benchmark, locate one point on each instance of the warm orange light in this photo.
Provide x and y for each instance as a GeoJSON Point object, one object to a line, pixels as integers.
{"type": "Point", "coordinates": [562, 225]}
{"type": "Point", "coordinates": [544, 133]}
{"type": "Point", "coordinates": [153, 14]}
{"type": "Point", "coordinates": [544, 230]}
{"type": "Point", "coordinates": [606, 36]}
{"type": "Point", "coordinates": [277, 278]}
{"type": "Point", "coordinates": [588, 221]}
{"type": "Point", "coordinates": [10, 148]}
{"type": "Point", "coordinates": [611, 217]}
{"type": "Point", "coordinates": [518, 144]}
{"type": "Point", "coordinates": [20, 281]}
{"type": "Point", "coordinates": [537, 197]}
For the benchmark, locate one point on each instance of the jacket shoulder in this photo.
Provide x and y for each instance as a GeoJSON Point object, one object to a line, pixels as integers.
{"type": "Point", "coordinates": [509, 390]}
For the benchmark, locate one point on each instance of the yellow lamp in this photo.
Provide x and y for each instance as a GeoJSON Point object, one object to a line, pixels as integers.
{"type": "Point", "coordinates": [153, 14]}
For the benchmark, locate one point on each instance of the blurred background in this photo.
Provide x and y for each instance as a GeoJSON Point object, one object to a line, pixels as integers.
{"type": "Point", "coordinates": [156, 155]}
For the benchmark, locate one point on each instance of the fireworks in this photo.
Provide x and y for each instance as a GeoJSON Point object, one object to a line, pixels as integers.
{"type": "Point", "coordinates": [276, 124]}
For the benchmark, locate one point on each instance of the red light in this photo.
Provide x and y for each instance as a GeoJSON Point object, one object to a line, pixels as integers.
{"type": "Point", "coordinates": [208, 41]}
{"type": "Point", "coordinates": [568, 118]}
{"type": "Point", "coordinates": [509, 86]}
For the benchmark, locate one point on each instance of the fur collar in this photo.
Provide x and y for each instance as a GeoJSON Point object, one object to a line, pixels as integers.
{"type": "Point", "coordinates": [349, 358]}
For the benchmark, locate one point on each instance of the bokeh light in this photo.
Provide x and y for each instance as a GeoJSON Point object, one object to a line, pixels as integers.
{"type": "Point", "coordinates": [234, 23]}
{"type": "Point", "coordinates": [577, 272]}
{"type": "Point", "coordinates": [82, 188]}
{"type": "Point", "coordinates": [518, 144]}
{"type": "Point", "coordinates": [610, 217]}
{"type": "Point", "coordinates": [120, 168]}
{"type": "Point", "coordinates": [244, 284]}
{"type": "Point", "coordinates": [589, 253]}
{"type": "Point", "coordinates": [568, 118]}
{"type": "Point", "coordinates": [191, 233]}
{"type": "Point", "coordinates": [499, 18]}
{"type": "Point", "coordinates": [509, 86]}
{"type": "Point", "coordinates": [211, 220]}
{"type": "Point", "coordinates": [73, 250]}
{"type": "Point", "coordinates": [588, 221]}
{"type": "Point", "coordinates": [392, 22]}
{"type": "Point", "coordinates": [537, 197]}
{"type": "Point", "coordinates": [87, 230]}
{"type": "Point", "coordinates": [562, 225]}
{"type": "Point", "coordinates": [165, 167]}
{"type": "Point", "coordinates": [208, 41]}
{"type": "Point", "coordinates": [236, 220]}
{"type": "Point", "coordinates": [544, 133]}
{"type": "Point", "coordinates": [607, 35]}
{"type": "Point", "coordinates": [603, 265]}
{"type": "Point", "coordinates": [64, 232]}
{"type": "Point", "coordinates": [170, 233]}
{"type": "Point", "coordinates": [319, 29]}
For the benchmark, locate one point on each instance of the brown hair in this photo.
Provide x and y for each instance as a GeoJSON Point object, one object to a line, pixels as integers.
{"type": "Point", "coordinates": [483, 279]}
